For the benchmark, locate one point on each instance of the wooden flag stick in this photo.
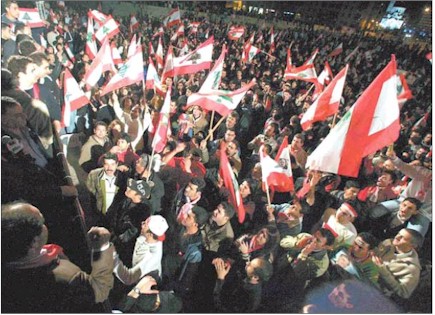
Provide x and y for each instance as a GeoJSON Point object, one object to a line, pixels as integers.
{"type": "Point", "coordinates": [333, 120]}
{"type": "Point", "coordinates": [211, 124]}
{"type": "Point", "coordinates": [215, 127]}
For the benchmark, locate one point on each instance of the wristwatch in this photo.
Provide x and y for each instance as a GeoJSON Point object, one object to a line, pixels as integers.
{"type": "Point", "coordinates": [136, 290]}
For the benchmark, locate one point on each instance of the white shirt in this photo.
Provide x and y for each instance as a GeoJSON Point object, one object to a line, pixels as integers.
{"type": "Point", "coordinates": [110, 190]}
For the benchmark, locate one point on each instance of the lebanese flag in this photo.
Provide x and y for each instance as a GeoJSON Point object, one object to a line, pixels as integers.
{"type": "Point", "coordinates": [133, 47]}
{"type": "Point", "coordinates": [251, 38]}
{"type": "Point", "coordinates": [99, 17]}
{"type": "Point", "coordinates": [422, 122]}
{"type": "Point", "coordinates": [159, 32]}
{"type": "Point", "coordinates": [429, 56]}
{"type": "Point", "coordinates": [130, 73]}
{"type": "Point", "coordinates": [159, 54]}
{"type": "Point", "coordinates": [213, 79]}
{"type": "Point", "coordinates": [173, 18]}
{"type": "Point", "coordinates": [184, 48]}
{"type": "Point", "coordinates": [180, 30]}
{"type": "Point", "coordinates": [304, 73]}
{"type": "Point", "coordinates": [109, 29]}
{"type": "Point", "coordinates": [91, 45]}
{"type": "Point", "coordinates": [323, 79]}
{"type": "Point", "coordinates": [152, 81]}
{"type": "Point", "coordinates": [161, 134]}
{"type": "Point", "coordinates": [327, 103]}
{"type": "Point", "coordinates": [272, 41]}
{"type": "Point", "coordinates": [273, 175]}
{"type": "Point", "coordinates": [236, 32]}
{"type": "Point", "coordinates": [249, 52]}
{"type": "Point", "coordinates": [230, 182]}
{"type": "Point", "coordinates": [74, 97]}
{"type": "Point", "coordinates": [289, 64]}
{"type": "Point", "coordinates": [220, 101]}
{"type": "Point", "coordinates": [103, 62]}
{"type": "Point", "coordinates": [338, 50]}
{"type": "Point", "coordinates": [134, 23]}
{"type": "Point", "coordinates": [194, 27]}
{"type": "Point", "coordinates": [150, 49]}
{"type": "Point", "coordinates": [197, 60]}
{"type": "Point", "coordinates": [69, 53]}
{"type": "Point", "coordinates": [260, 38]}
{"type": "Point", "coordinates": [371, 124]}
{"type": "Point", "coordinates": [30, 17]}
{"type": "Point", "coordinates": [116, 56]}
{"type": "Point", "coordinates": [168, 69]}
{"type": "Point", "coordinates": [403, 91]}
{"type": "Point", "coordinates": [283, 160]}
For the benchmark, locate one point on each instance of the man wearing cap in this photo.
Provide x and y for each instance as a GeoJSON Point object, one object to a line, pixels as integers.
{"type": "Point", "coordinates": [144, 169]}
{"type": "Point", "coordinates": [340, 224]}
{"type": "Point", "coordinates": [126, 220]}
{"type": "Point", "coordinates": [106, 185]}
{"type": "Point", "coordinates": [147, 254]}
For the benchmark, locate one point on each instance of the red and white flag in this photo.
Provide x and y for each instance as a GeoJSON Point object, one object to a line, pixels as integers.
{"type": "Point", "coordinates": [327, 103]}
{"type": "Point", "coordinates": [304, 73]}
{"type": "Point", "coordinates": [197, 60]}
{"type": "Point", "coordinates": [103, 62]}
{"type": "Point", "coordinates": [194, 27]}
{"type": "Point", "coordinates": [134, 45]}
{"type": "Point", "coordinates": [109, 29]}
{"type": "Point", "coordinates": [184, 48]}
{"type": "Point", "coordinates": [74, 97]}
{"type": "Point", "coordinates": [260, 38]}
{"type": "Point", "coordinates": [91, 45]}
{"type": "Point", "coordinates": [213, 79]}
{"type": "Point", "coordinates": [283, 159]}
{"type": "Point", "coordinates": [99, 17]}
{"type": "Point", "coordinates": [69, 53]}
{"type": "Point", "coordinates": [30, 17]}
{"type": "Point", "coordinates": [116, 56]}
{"type": "Point", "coordinates": [272, 41]}
{"type": "Point", "coordinates": [230, 183]}
{"type": "Point", "coordinates": [323, 79]}
{"type": "Point", "coordinates": [404, 93]}
{"type": "Point", "coordinates": [251, 38]}
{"type": "Point", "coordinates": [310, 61]}
{"type": "Point", "coordinates": [223, 102]}
{"type": "Point", "coordinates": [159, 54]}
{"type": "Point", "coordinates": [274, 175]}
{"type": "Point", "coordinates": [371, 124]}
{"type": "Point", "coordinates": [129, 73]}
{"type": "Point", "coordinates": [168, 69]}
{"type": "Point", "coordinates": [161, 135]}
{"type": "Point", "coordinates": [353, 53]}
{"type": "Point", "coordinates": [429, 56]}
{"type": "Point", "coordinates": [152, 81]}
{"type": "Point", "coordinates": [337, 50]}
{"type": "Point", "coordinates": [134, 23]}
{"type": "Point", "coordinates": [249, 52]}
{"type": "Point", "coordinates": [289, 64]}
{"type": "Point", "coordinates": [43, 41]}
{"type": "Point", "coordinates": [159, 32]}
{"type": "Point", "coordinates": [173, 18]}
{"type": "Point", "coordinates": [236, 32]}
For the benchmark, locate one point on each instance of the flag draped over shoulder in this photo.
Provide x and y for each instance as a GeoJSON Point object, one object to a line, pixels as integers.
{"type": "Point", "coordinates": [274, 175]}
{"type": "Point", "coordinates": [230, 182]}
{"type": "Point", "coordinates": [129, 73]}
{"type": "Point", "coordinates": [327, 103]}
{"type": "Point", "coordinates": [370, 124]}
{"type": "Point", "coordinates": [30, 17]}
{"type": "Point", "coordinates": [161, 134]}
{"type": "Point", "coordinates": [197, 60]}
{"type": "Point", "coordinates": [221, 101]}
{"type": "Point", "coordinates": [74, 97]}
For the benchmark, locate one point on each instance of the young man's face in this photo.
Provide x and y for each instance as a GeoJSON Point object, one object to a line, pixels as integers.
{"type": "Point", "coordinates": [122, 144]}
{"type": "Point", "coordinates": [406, 210]}
{"type": "Point", "coordinates": [100, 131]}
{"type": "Point", "coordinates": [350, 193]}
{"type": "Point", "coordinates": [29, 77]}
{"type": "Point", "coordinates": [191, 191]}
{"type": "Point", "coordinates": [110, 166]}
{"type": "Point", "coordinates": [219, 215]}
{"type": "Point", "coordinates": [13, 11]}
{"type": "Point", "coordinates": [42, 70]}
{"type": "Point", "coordinates": [134, 196]}
{"type": "Point", "coordinates": [360, 248]}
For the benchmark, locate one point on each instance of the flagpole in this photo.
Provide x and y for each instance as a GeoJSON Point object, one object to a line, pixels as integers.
{"type": "Point", "coordinates": [303, 97]}
{"type": "Point", "coordinates": [214, 128]}
{"type": "Point", "coordinates": [268, 194]}
{"type": "Point", "coordinates": [150, 163]}
{"type": "Point", "coordinates": [333, 120]}
{"type": "Point", "coordinates": [211, 124]}
{"type": "Point", "coordinates": [267, 54]}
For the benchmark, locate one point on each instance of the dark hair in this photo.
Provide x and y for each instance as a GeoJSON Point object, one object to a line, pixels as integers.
{"type": "Point", "coordinates": [26, 47]}
{"type": "Point", "coordinates": [100, 123]}
{"type": "Point", "coordinates": [369, 239]}
{"type": "Point", "coordinates": [17, 64]}
{"type": "Point", "coordinates": [415, 201]}
{"type": "Point", "coordinates": [352, 183]}
{"type": "Point", "coordinates": [229, 209]}
{"type": "Point", "coordinates": [392, 173]}
{"type": "Point", "coordinates": [299, 136]}
{"type": "Point", "coordinates": [38, 57]}
{"type": "Point", "coordinates": [416, 238]}
{"type": "Point", "coordinates": [110, 156]}
{"type": "Point", "coordinates": [19, 228]}
{"type": "Point", "coordinates": [330, 238]}
{"type": "Point", "coordinates": [264, 270]}
{"type": "Point", "coordinates": [125, 136]}
{"type": "Point", "coordinates": [8, 102]}
{"type": "Point", "coordinates": [275, 127]}
{"type": "Point", "coordinates": [197, 181]}
{"type": "Point", "coordinates": [201, 215]}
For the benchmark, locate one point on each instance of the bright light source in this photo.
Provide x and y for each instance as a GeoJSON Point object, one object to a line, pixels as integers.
{"type": "Point", "coordinates": [427, 9]}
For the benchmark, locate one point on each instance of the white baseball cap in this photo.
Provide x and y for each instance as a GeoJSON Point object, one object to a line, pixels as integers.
{"type": "Point", "coordinates": [158, 226]}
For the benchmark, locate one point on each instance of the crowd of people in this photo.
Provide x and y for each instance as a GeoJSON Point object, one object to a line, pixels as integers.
{"type": "Point", "coordinates": [163, 232]}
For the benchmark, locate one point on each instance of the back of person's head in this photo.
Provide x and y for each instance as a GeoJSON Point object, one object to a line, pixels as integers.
{"type": "Point", "coordinates": [7, 103]}
{"type": "Point", "coordinates": [26, 46]}
{"type": "Point", "coordinates": [199, 182]}
{"type": "Point", "coordinates": [201, 215]}
{"type": "Point", "coordinates": [229, 209]}
{"type": "Point", "coordinates": [368, 237]}
{"type": "Point", "coordinates": [17, 64]}
{"type": "Point", "coordinates": [19, 228]}
{"type": "Point", "coordinates": [38, 57]}
{"type": "Point", "coordinates": [416, 238]}
{"type": "Point", "coordinates": [263, 269]}
{"type": "Point", "coordinates": [326, 233]}
{"type": "Point", "coordinates": [7, 82]}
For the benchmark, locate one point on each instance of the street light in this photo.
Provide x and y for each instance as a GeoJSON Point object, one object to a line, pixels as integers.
{"type": "Point", "coordinates": [427, 9]}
